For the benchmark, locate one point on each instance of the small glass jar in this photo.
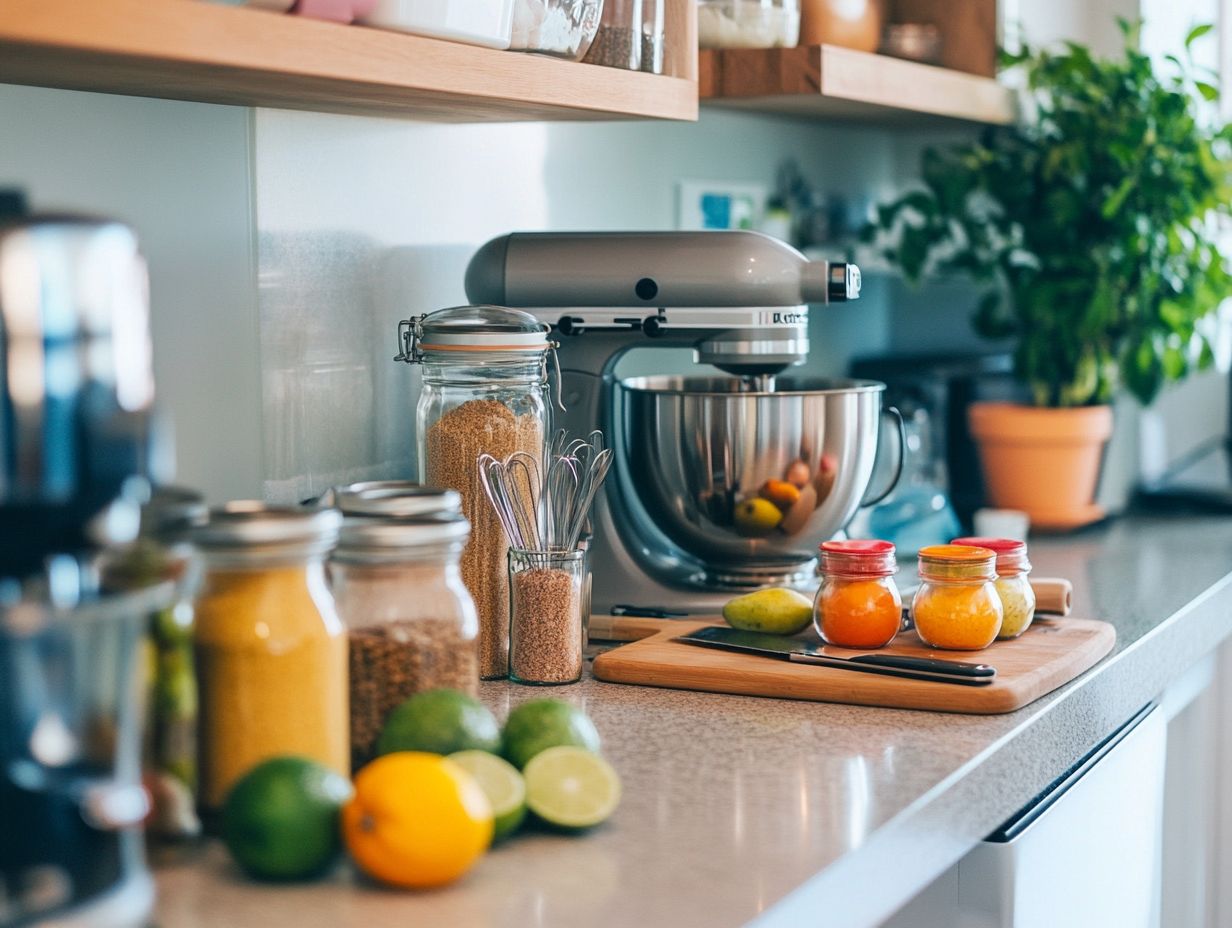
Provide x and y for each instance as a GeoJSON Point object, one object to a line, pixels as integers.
{"type": "Point", "coordinates": [1013, 585]}
{"type": "Point", "coordinates": [654, 25]}
{"type": "Point", "coordinates": [748, 23]}
{"type": "Point", "coordinates": [411, 624]}
{"type": "Point", "coordinates": [564, 28]}
{"type": "Point", "coordinates": [956, 606]}
{"type": "Point", "coordinates": [618, 43]}
{"type": "Point", "coordinates": [545, 616]}
{"type": "Point", "coordinates": [271, 651]}
{"type": "Point", "coordinates": [858, 605]}
{"type": "Point", "coordinates": [485, 391]}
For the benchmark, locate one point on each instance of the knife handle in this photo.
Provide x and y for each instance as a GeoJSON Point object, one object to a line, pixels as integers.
{"type": "Point", "coordinates": [927, 665]}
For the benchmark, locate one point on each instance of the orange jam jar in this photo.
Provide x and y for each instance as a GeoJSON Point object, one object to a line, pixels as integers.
{"type": "Point", "coordinates": [956, 606]}
{"type": "Point", "coordinates": [858, 605]}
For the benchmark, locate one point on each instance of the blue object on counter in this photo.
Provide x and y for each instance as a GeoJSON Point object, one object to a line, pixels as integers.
{"type": "Point", "coordinates": [914, 518]}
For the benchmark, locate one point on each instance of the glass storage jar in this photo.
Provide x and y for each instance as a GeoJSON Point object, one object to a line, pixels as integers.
{"type": "Point", "coordinates": [411, 624]}
{"type": "Point", "coordinates": [162, 552]}
{"type": "Point", "coordinates": [618, 43]}
{"type": "Point", "coordinates": [956, 606]}
{"type": "Point", "coordinates": [1012, 583]}
{"type": "Point", "coordinates": [271, 651]}
{"type": "Point", "coordinates": [545, 619]}
{"type": "Point", "coordinates": [654, 25]}
{"type": "Point", "coordinates": [858, 605]}
{"type": "Point", "coordinates": [485, 391]}
{"type": "Point", "coordinates": [564, 28]}
{"type": "Point", "coordinates": [748, 23]}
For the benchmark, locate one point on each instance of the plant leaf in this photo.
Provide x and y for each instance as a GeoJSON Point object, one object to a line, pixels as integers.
{"type": "Point", "coordinates": [1197, 32]}
{"type": "Point", "coordinates": [1209, 91]}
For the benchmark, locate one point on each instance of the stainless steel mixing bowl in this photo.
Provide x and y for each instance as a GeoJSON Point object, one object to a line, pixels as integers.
{"type": "Point", "coordinates": [749, 483]}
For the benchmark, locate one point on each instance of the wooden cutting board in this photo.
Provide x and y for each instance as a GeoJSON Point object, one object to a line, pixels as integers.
{"type": "Point", "coordinates": [1049, 654]}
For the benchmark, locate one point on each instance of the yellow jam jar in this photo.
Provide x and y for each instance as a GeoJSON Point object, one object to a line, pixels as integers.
{"type": "Point", "coordinates": [956, 606]}
{"type": "Point", "coordinates": [1013, 585]}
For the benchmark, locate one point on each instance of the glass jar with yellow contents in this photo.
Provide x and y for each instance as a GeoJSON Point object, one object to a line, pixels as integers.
{"type": "Point", "coordinates": [956, 606]}
{"type": "Point", "coordinates": [271, 651]}
{"type": "Point", "coordinates": [1013, 583]}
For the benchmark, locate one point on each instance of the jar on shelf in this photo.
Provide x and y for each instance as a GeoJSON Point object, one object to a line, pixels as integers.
{"type": "Point", "coordinates": [1012, 583]}
{"type": "Point", "coordinates": [848, 23]}
{"type": "Point", "coordinates": [485, 391]}
{"type": "Point", "coordinates": [271, 651]}
{"type": "Point", "coordinates": [411, 624]}
{"type": "Point", "coordinates": [748, 23]}
{"type": "Point", "coordinates": [545, 619]}
{"type": "Point", "coordinates": [858, 605]}
{"type": "Point", "coordinates": [162, 553]}
{"type": "Point", "coordinates": [956, 606]}
{"type": "Point", "coordinates": [618, 43]}
{"type": "Point", "coordinates": [654, 28]}
{"type": "Point", "coordinates": [564, 28]}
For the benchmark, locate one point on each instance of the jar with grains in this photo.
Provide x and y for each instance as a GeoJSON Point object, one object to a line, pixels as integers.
{"type": "Point", "coordinates": [411, 624]}
{"type": "Point", "coordinates": [956, 606]}
{"type": "Point", "coordinates": [858, 605]}
{"type": "Point", "coordinates": [618, 43]}
{"type": "Point", "coordinates": [271, 651]}
{"type": "Point", "coordinates": [545, 621]}
{"type": "Point", "coordinates": [485, 391]}
{"type": "Point", "coordinates": [162, 552]}
{"type": "Point", "coordinates": [1012, 583]}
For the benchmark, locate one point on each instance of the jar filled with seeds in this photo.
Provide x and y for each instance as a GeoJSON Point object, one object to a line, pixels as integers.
{"type": "Point", "coordinates": [618, 43]}
{"type": "Point", "coordinates": [411, 623]}
{"type": "Point", "coordinates": [545, 619]}
{"type": "Point", "coordinates": [485, 390]}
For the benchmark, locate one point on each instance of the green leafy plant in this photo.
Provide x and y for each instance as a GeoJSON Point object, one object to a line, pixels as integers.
{"type": "Point", "coordinates": [1095, 222]}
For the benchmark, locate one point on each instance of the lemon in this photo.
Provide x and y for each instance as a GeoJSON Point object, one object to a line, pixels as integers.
{"type": "Point", "coordinates": [545, 723]}
{"type": "Point", "coordinates": [502, 784]}
{"type": "Point", "coordinates": [570, 787]}
{"type": "Point", "coordinates": [757, 517]}
{"type": "Point", "coordinates": [777, 610]}
{"type": "Point", "coordinates": [280, 820]}
{"type": "Point", "coordinates": [440, 722]}
{"type": "Point", "coordinates": [417, 820]}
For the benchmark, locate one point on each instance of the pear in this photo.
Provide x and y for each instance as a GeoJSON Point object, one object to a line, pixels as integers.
{"type": "Point", "coordinates": [777, 610]}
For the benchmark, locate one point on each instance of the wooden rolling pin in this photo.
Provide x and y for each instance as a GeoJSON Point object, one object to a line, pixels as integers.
{"type": "Point", "coordinates": [1053, 595]}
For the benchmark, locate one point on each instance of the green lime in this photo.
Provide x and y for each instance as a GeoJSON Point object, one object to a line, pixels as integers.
{"type": "Point", "coordinates": [545, 723]}
{"type": "Point", "coordinates": [570, 787]}
{"type": "Point", "coordinates": [440, 722]}
{"type": "Point", "coordinates": [503, 786]}
{"type": "Point", "coordinates": [280, 821]}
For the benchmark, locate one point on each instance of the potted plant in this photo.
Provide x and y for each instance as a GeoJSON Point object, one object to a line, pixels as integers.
{"type": "Point", "coordinates": [1093, 222]}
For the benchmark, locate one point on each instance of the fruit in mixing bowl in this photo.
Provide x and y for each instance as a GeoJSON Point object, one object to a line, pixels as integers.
{"type": "Point", "coordinates": [798, 515]}
{"type": "Point", "coordinates": [781, 493]}
{"type": "Point", "coordinates": [757, 517]}
{"type": "Point", "coordinates": [777, 610]}
{"type": "Point", "coordinates": [798, 474]}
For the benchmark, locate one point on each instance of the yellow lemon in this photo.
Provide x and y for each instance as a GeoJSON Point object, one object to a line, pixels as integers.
{"type": "Point", "coordinates": [417, 820]}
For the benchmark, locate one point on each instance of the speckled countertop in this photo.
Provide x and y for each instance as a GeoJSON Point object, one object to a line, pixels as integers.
{"type": "Point", "coordinates": [739, 809]}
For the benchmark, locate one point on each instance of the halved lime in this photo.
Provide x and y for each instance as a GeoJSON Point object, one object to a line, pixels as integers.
{"type": "Point", "coordinates": [502, 784]}
{"type": "Point", "coordinates": [571, 787]}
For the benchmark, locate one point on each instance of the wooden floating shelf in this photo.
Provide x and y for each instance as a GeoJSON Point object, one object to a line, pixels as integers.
{"type": "Point", "coordinates": [191, 50]}
{"type": "Point", "coordinates": [827, 82]}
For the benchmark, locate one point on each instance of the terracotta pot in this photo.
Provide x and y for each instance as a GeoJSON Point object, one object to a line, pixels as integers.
{"type": "Point", "coordinates": [850, 23]}
{"type": "Point", "coordinates": [1043, 461]}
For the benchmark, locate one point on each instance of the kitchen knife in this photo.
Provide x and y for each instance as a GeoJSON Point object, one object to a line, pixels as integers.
{"type": "Point", "coordinates": [787, 649]}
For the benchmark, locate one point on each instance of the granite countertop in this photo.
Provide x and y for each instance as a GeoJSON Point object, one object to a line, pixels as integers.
{"type": "Point", "coordinates": [739, 809]}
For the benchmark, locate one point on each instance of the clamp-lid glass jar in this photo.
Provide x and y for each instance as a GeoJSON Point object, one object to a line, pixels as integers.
{"type": "Point", "coordinates": [858, 605]}
{"type": "Point", "coordinates": [1012, 583]}
{"type": "Point", "coordinates": [956, 605]}
{"type": "Point", "coordinates": [271, 653]}
{"type": "Point", "coordinates": [485, 391]}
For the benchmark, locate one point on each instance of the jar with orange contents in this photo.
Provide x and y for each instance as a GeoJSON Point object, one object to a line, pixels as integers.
{"type": "Point", "coordinates": [956, 606]}
{"type": "Point", "coordinates": [858, 605]}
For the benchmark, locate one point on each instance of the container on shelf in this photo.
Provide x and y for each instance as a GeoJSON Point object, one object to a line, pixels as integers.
{"type": "Point", "coordinates": [956, 606]}
{"type": "Point", "coordinates": [411, 624]}
{"type": "Point", "coordinates": [849, 23]}
{"type": "Point", "coordinates": [858, 604]}
{"type": "Point", "coordinates": [271, 651]}
{"type": "Point", "coordinates": [1012, 583]}
{"type": "Point", "coordinates": [618, 43]}
{"type": "Point", "coordinates": [546, 630]}
{"type": "Point", "coordinates": [654, 27]}
{"type": "Point", "coordinates": [564, 28]}
{"type": "Point", "coordinates": [485, 391]}
{"type": "Point", "coordinates": [748, 23]}
{"type": "Point", "coordinates": [476, 22]}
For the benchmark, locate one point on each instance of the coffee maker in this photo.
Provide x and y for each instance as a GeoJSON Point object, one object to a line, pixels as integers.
{"type": "Point", "coordinates": [723, 482]}
{"type": "Point", "coordinates": [77, 436]}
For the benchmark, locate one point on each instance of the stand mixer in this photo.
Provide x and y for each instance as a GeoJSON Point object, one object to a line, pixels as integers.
{"type": "Point", "coordinates": [719, 484]}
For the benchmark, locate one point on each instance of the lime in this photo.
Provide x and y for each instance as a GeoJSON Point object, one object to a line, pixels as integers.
{"type": "Point", "coordinates": [545, 723]}
{"type": "Point", "coordinates": [280, 821]}
{"type": "Point", "coordinates": [570, 787]}
{"type": "Point", "coordinates": [440, 722]}
{"type": "Point", "coordinates": [503, 785]}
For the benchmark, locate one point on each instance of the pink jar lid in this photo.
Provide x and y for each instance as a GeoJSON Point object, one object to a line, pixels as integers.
{"type": "Point", "coordinates": [1011, 553]}
{"type": "Point", "coordinates": [858, 558]}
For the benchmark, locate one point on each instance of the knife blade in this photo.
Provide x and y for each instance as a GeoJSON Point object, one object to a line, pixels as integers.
{"type": "Point", "coordinates": [893, 665]}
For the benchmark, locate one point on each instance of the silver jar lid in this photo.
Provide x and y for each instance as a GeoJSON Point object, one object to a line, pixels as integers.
{"type": "Point", "coordinates": [172, 513]}
{"type": "Point", "coordinates": [369, 539]}
{"type": "Point", "coordinates": [396, 499]}
{"type": "Point", "coordinates": [264, 528]}
{"type": "Point", "coordinates": [472, 328]}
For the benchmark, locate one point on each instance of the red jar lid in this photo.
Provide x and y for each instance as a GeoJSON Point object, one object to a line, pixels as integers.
{"type": "Point", "coordinates": [1011, 553]}
{"type": "Point", "coordinates": [858, 558]}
